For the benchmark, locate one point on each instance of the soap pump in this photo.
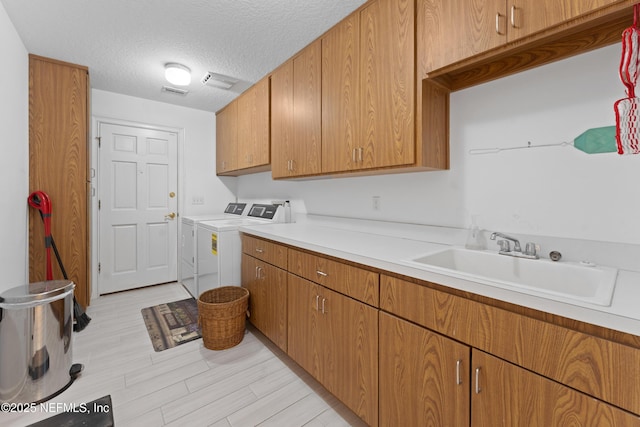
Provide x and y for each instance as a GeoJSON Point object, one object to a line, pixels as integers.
{"type": "Point", "coordinates": [287, 211]}
{"type": "Point", "coordinates": [474, 239]}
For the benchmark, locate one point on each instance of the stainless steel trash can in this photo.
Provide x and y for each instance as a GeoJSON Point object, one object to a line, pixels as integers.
{"type": "Point", "coordinates": [36, 321]}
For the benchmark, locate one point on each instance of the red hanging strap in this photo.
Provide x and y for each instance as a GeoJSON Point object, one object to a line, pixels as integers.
{"type": "Point", "coordinates": [40, 200]}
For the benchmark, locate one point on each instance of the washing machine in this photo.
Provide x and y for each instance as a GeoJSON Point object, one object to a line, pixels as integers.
{"type": "Point", "coordinates": [219, 248]}
{"type": "Point", "coordinates": [189, 261]}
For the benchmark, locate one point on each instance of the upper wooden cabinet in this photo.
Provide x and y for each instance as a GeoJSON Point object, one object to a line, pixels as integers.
{"type": "Point", "coordinates": [463, 43]}
{"type": "Point", "coordinates": [58, 165]}
{"type": "Point", "coordinates": [452, 30]}
{"type": "Point", "coordinates": [341, 96]}
{"type": "Point", "coordinates": [253, 126]}
{"type": "Point", "coordinates": [243, 132]}
{"type": "Point", "coordinates": [227, 139]}
{"type": "Point", "coordinates": [387, 84]}
{"type": "Point", "coordinates": [296, 125]}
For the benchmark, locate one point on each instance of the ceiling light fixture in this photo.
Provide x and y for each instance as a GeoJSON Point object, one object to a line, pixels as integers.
{"type": "Point", "coordinates": [177, 74]}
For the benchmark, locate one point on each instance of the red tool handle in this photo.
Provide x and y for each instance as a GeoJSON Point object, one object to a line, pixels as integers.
{"type": "Point", "coordinates": [40, 200]}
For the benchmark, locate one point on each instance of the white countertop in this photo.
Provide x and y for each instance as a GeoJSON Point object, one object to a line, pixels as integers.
{"type": "Point", "coordinates": [387, 246]}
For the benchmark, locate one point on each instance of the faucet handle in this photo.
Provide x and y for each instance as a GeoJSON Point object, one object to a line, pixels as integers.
{"type": "Point", "coordinates": [505, 245]}
{"type": "Point", "coordinates": [531, 249]}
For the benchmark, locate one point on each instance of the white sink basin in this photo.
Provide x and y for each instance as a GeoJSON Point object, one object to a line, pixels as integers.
{"type": "Point", "coordinates": [556, 280]}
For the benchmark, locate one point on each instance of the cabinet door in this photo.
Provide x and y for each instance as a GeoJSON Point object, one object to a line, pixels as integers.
{"type": "Point", "coordinates": [507, 395]}
{"type": "Point", "coordinates": [307, 80]}
{"type": "Point", "coordinates": [340, 95]}
{"type": "Point", "coordinates": [227, 138]}
{"type": "Point", "coordinates": [452, 30]}
{"type": "Point", "coordinates": [58, 165]}
{"type": "Point", "coordinates": [526, 17]}
{"type": "Point", "coordinates": [303, 334]}
{"type": "Point", "coordinates": [253, 126]}
{"type": "Point", "coordinates": [267, 287]}
{"type": "Point", "coordinates": [424, 376]}
{"type": "Point", "coordinates": [297, 115]}
{"type": "Point", "coordinates": [387, 67]}
{"type": "Point", "coordinates": [282, 120]}
{"type": "Point", "coordinates": [350, 353]}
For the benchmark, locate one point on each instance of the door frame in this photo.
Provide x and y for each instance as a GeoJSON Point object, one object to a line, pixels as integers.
{"type": "Point", "coordinates": [93, 176]}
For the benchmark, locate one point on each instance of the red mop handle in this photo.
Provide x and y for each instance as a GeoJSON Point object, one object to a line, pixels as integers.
{"type": "Point", "coordinates": [40, 200]}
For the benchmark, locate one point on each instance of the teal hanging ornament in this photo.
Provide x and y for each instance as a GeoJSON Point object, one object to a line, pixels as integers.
{"type": "Point", "coordinates": [597, 140]}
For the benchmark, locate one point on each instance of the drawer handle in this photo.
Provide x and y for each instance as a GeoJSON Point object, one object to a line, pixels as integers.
{"type": "Point", "coordinates": [321, 273]}
{"type": "Point", "coordinates": [478, 389]}
{"type": "Point", "coordinates": [498, 24]}
{"type": "Point", "coordinates": [458, 369]}
{"type": "Point", "coordinates": [259, 250]}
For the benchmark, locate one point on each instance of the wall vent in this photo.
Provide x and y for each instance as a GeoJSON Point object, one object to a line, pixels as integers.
{"type": "Point", "coordinates": [175, 90]}
{"type": "Point", "coordinates": [218, 80]}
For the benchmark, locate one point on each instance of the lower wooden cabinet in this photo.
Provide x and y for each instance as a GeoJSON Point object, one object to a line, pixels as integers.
{"type": "Point", "coordinates": [507, 395]}
{"type": "Point", "coordinates": [424, 376]}
{"type": "Point", "coordinates": [430, 358]}
{"type": "Point", "coordinates": [267, 285]}
{"type": "Point", "coordinates": [335, 338]}
{"type": "Point", "coordinates": [426, 380]}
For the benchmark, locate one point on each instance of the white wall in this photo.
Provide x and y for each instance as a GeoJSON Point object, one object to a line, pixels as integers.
{"type": "Point", "coordinates": [197, 151]}
{"type": "Point", "coordinates": [14, 161]}
{"type": "Point", "coordinates": [555, 191]}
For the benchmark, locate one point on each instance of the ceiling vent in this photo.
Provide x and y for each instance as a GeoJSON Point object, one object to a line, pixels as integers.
{"type": "Point", "coordinates": [175, 90]}
{"type": "Point", "coordinates": [218, 80]}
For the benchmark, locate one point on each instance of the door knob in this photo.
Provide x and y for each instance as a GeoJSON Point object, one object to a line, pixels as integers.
{"type": "Point", "coordinates": [172, 215]}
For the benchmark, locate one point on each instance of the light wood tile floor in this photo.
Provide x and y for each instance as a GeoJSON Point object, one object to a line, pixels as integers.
{"type": "Point", "coordinates": [252, 384]}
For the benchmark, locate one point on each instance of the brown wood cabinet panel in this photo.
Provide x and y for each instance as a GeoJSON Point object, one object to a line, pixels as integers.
{"type": "Point", "coordinates": [598, 367]}
{"type": "Point", "coordinates": [445, 313]}
{"type": "Point", "coordinates": [424, 377]}
{"type": "Point", "coordinates": [307, 111]}
{"type": "Point", "coordinates": [264, 250]}
{"type": "Point", "coordinates": [58, 165]}
{"type": "Point", "coordinates": [507, 395]}
{"type": "Point", "coordinates": [526, 17]}
{"type": "Point", "coordinates": [304, 333]}
{"type": "Point", "coordinates": [350, 351]}
{"type": "Point", "coordinates": [335, 339]}
{"type": "Point", "coordinates": [387, 78]}
{"type": "Point", "coordinates": [254, 126]}
{"type": "Point", "coordinates": [297, 115]}
{"type": "Point", "coordinates": [451, 30]}
{"type": "Point", "coordinates": [341, 96]}
{"type": "Point", "coordinates": [227, 139]}
{"type": "Point", "coordinates": [355, 282]}
{"type": "Point", "coordinates": [282, 140]}
{"type": "Point", "coordinates": [267, 287]}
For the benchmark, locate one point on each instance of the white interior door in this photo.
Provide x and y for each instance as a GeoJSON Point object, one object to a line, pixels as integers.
{"type": "Point", "coordinates": [137, 221]}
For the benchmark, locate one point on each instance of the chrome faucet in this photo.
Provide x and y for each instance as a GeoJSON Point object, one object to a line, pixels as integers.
{"type": "Point", "coordinates": [516, 242]}
{"type": "Point", "coordinates": [530, 251]}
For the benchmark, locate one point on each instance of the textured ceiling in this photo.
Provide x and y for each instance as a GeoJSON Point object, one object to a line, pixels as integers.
{"type": "Point", "coordinates": [125, 43]}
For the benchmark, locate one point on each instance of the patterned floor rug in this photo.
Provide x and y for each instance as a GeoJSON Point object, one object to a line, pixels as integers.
{"type": "Point", "coordinates": [172, 324]}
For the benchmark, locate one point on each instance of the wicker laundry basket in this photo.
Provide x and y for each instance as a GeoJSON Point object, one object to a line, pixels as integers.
{"type": "Point", "coordinates": [222, 313]}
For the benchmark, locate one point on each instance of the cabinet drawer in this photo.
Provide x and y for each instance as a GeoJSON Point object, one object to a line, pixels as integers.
{"type": "Point", "coordinates": [358, 283]}
{"type": "Point", "coordinates": [265, 250]}
{"type": "Point", "coordinates": [598, 367]}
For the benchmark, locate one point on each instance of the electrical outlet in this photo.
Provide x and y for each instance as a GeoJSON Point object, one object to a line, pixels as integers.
{"type": "Point", "coordinates": [197, 200]}
{"type": "Point", "coordinates": [375, 203]}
